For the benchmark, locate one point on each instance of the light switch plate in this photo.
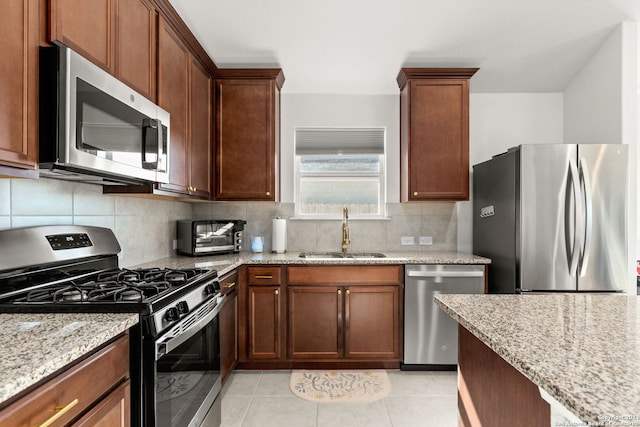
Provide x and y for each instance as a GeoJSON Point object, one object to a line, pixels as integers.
{"type": "Point", "coordinates": [175, 244]}
{"type": "Point", "coordinates": [426, 240]}
{"type": "Point", "coordinates": [407, 240]}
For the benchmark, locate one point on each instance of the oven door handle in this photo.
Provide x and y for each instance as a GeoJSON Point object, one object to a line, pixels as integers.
{"type": "Point", "coordinates": [168, 345]}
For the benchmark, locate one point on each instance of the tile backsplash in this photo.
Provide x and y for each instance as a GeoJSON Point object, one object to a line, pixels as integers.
{"type": "Point", "coordinates": [437, 220]}
{"type": "Point", "coordinates": [144, 227]}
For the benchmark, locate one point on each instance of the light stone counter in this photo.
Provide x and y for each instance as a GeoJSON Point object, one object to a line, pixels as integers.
{"type": "Point", "coordinates": [226, 263]}
{"type": "Point", "coordinates": [583, 350]}
{"type": "Point", "coordinates": [33, 346]}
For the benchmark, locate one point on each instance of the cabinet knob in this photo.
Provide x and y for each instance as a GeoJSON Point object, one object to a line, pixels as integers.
{"type": "Point", "coordinates": [339, 292]}
{"type": "Point", "coordinates": [276, 292]}
{"type": "Point", "coordinates": [348, 291]}
{"type": "Point", "coordinates": [268, 193]}
{"type": "Point", "coordinates": [415, 193]}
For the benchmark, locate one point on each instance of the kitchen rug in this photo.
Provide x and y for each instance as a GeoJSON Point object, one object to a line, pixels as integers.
{"type": "Point", "coordinates": [340, 386]}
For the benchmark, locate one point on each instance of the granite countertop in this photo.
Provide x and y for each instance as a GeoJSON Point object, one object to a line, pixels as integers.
{"type": "Point", "coordinates": [226, 263]}
{"type": "Point", "coordinates": [583, 350]}
{"type": "Point", "coordinates": [33, 346]}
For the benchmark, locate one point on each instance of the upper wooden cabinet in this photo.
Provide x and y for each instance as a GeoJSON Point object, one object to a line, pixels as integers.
{"type": "Point", "coordinates": [136, 45]}
{"type": "Point", "coordinates": [434, 133]}
{"type": "Point", "coordinates": [19, 87]}
{"type": "Point", "coordinates": [117, 35]}
{"type": "Point", "coordinates": [184, 90]}
{"type": "Point", "coordinates": [247, 134]}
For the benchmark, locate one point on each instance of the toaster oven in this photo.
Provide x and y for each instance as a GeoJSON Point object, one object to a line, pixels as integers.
{"type": "Point", "coordinates": [210, 237]}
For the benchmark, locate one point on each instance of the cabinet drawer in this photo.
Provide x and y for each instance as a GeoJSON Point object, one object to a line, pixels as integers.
{"type": "Point", "coordinates": [263, 275]}
{"type": "Point", "coordinates": [85, 382]}
{"type": "Point", "coordinates": [345, 274]}
{"type": "Point", "coordinates": [229, 282]}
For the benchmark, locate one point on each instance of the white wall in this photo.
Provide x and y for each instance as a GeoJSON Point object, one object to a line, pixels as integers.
{"type": "Point", "coordinates": [499, 121]}
{"type": "Point", "coordinates": [601, 106]}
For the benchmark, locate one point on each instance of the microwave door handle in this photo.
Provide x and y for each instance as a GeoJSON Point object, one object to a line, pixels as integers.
{"type": "Point", "coordinates": [150, 144]}
{"type": "Point", "coordinates": [161, 164]}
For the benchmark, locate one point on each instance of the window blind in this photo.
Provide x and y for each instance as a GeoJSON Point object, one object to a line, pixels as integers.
{"type": "Point", "coordinates": [327, 141]}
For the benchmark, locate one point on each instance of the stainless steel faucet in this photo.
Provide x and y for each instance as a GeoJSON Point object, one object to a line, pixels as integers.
{"type": "Point", "coordinates": [345, 230]}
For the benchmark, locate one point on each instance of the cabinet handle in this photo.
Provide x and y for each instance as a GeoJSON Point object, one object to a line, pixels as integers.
{"type": "Point", "coordinates": [60, 411]}
{"type": "Point", "coordinates": [230, 285]}
{"type": "Point", "coordinates": [276, 292]}
{"type": "Point", "coordinates": [266, 276]}
{"type": "Point", "coordinates": [268, 193]}
{"type": "Point", "coordinates": [415, 193]}
{"type": "Point", "coordinates": [339, 292]}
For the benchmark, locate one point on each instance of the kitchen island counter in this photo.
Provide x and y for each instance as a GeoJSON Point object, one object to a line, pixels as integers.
{"type": "Point", "coordinates": [225, 263]}
{"type": "Point", "coordinates": [583, 350]}
{"type": "Point", "coordinates": [35, 345]}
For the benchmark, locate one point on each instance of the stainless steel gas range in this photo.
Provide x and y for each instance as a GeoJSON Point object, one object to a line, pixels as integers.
{"type": "Point", "coordinates": [175, 349]}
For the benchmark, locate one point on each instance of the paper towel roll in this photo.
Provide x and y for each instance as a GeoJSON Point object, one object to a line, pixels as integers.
{"type": "Point", "coordinates": [279, 235]}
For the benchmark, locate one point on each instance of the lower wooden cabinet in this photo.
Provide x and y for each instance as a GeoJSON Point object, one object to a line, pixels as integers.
{"type": "Point", "coordinates": [93, 392]}
{"type": "Point", "coordinates": [322, 315]}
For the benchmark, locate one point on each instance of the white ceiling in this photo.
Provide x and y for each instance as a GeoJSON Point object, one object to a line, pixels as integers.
{"type": "Point", "coordinates": [358, 46]}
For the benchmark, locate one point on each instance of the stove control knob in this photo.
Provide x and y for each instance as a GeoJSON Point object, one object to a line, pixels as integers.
{"type": "Point", "coordinates": [183, 307]}
{"type": "Point", "coordinates": [210, 289]}
{"type": "Point", "coordinates": [172, 314]}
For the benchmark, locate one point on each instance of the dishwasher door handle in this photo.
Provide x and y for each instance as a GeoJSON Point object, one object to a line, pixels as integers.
{"type": "Point", "coordinates": [445, 273]}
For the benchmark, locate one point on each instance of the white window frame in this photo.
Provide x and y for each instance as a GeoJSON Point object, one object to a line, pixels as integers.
{"type": "Point", "coordinates": [379, 177]}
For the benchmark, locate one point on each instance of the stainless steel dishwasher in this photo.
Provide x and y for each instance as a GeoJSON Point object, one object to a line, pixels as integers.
{"type": "Point", "coordinates": [431, 335]}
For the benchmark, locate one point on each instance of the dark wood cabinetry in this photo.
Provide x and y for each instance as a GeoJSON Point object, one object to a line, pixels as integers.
{"type": "Point", "coordinates": [117, 35]}
{"type": "Point", "coordinates": [20, 21]}
{"type": "Point", "coordinates": [344, 312]}
{"type": "Point", "coordinates": [265, 308]}
{"type": "Point", "coordinates": [93, 392]}
{"type": "Point", "coordinates": [247, 134]}
{"type": "Point", "coordinates": [136, 45]}
{"type": "Point", "coordinates": [434, 133]}
{"type": "Point", "coordinates": [200, 138]}
{"type": "Point", "coordinates": [229, 325]}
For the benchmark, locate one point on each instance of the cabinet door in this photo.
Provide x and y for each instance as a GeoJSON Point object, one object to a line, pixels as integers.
{"type": "Point", "coordinates": [19, 84]}
{"type": "Point", "coordinates": [173, 87]}
{"type": "Point", "coordinates": [438, 146]}
{"type": "Point", "coordinates": [137, 23]}
{"type": "Point", "coordinates": [200, 140]}
{"type": "Point", "coordinates": [112, 411]}
{"type": "Point", "coordinates": [315, 322]}
{"type": "Point", "coordinates": [265, 322]}
{"type": "Point", "coordinates": [87, 27]}
{"type": "Point", "coordinates": [246, 129]}
{"type": "Point", "coordinates": [372, 315]}
{"type": "Point", "coordinates": [229, 335]}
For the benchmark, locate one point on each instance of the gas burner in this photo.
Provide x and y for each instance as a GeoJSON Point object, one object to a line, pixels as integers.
{"type": "Point", "coordinates": [69, 294]}
{"type": "Point", "coordinates": [130, 295]}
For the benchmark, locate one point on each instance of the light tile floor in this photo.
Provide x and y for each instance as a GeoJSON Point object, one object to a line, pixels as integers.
{"type": "Point", "coordinates": [263, 399]}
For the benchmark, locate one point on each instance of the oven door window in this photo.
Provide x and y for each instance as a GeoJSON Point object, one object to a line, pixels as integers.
{"type": "Point", "coordinates": [188, 378]}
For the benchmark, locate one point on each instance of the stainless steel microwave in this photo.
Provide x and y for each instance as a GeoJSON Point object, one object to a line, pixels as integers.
{"type": "Point", "coordinates": [94, 128]}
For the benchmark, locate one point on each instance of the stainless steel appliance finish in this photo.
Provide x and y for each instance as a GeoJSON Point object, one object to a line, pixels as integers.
{"type": "Point", "coordinates": [552, 217]}
{"type": "Point", "coordinates": [431, 335]}
{"type": "Point", "coordinates": [94, 128]}
{"type": "Point", "coordinates": [210, 237]}
{"type": "Point", "coordinates": [174, 350]}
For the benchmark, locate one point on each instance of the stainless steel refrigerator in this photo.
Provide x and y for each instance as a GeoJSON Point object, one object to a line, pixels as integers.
{"type": "Point", "coordinates": [553, 217]}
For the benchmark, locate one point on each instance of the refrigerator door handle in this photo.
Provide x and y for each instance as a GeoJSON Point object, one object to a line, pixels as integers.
{"type": "Point", "coordinates": [588, 215]}
{"type": "Point", "coordinates": [577, 197]}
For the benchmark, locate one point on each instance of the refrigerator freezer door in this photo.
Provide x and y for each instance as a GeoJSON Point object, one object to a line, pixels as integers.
{"type": "Point", "coordinates": [604, 177]}
{"type": "Point", "coordinates": [547, 218]}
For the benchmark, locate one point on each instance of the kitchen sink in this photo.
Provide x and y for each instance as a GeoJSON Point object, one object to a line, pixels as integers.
{"type": "Point", "coordinates": [339, 255]}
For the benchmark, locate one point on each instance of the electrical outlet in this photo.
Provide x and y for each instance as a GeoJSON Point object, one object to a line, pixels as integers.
{"type": "Point", "coordinates": [426, 240]}
{"type": "Point", "coordinates": [175, 244]}
{"type": "Point", "coordinates": [407, 240]}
